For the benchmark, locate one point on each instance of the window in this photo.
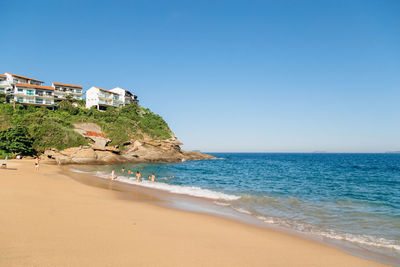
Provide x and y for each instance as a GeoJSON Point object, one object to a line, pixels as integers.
{"type": "Point", "coordinates": [39, 101]}
{"type": "Point", "coordinates": [20, 90]}
{"type": "Point", "coordinates": [29, 92]}
{"type": "Point", "coordinates": [20, 99]}
{"type": "Point", "coordinates": [39, 92]}
{"type": "Point", "coordinates": [49, 93]}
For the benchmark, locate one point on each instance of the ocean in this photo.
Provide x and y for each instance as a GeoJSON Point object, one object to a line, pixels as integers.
{"type": "Point", "coordinates": [351, 198]}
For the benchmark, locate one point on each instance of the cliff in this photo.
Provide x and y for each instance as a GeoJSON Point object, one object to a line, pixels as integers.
{"type": "Point", "coordinates": [140, 150]}
{"type": "Point", "coordinates": [76, 135]}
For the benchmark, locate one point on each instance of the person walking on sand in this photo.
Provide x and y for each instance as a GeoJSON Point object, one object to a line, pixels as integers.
{"type": "Point", "coordinates": [153, 177]}
{"type": "Point", "coordinates": [138, 176]}
{"type": "Point", "coordinates": [37, 164]}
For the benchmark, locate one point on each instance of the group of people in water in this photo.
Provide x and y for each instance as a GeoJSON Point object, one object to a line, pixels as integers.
{"type": "Point", "coordinates": [151, 177]}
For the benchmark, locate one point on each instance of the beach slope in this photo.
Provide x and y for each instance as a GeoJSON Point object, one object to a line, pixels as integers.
{"type": "Point", "coordinates": [48, 219]}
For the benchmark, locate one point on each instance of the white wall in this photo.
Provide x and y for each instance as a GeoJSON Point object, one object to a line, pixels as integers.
{"type": "Point", "coordinates": [92, 97]}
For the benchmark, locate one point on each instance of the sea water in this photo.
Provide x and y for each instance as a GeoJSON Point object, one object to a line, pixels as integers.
{"type": "Point", "coordinates": [354, 198]}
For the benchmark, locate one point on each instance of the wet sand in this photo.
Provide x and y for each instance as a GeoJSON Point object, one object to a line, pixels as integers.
{"type": "Point", "coordinates": [49, 219]}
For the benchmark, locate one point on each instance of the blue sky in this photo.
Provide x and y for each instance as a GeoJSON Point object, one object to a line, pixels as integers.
{"type": "Point", "coordinates": [262, 76]}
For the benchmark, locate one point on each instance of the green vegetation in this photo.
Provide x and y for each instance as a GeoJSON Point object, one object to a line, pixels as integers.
{"type": "Point", "coordinates": [27, 130]}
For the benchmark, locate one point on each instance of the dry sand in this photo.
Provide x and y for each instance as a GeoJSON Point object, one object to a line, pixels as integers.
{"type": "Point", "coordinates": [48, 219]}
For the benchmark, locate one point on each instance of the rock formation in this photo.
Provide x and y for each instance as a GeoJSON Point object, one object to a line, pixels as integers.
{"type": "Point", "coordinates": [98, 152]}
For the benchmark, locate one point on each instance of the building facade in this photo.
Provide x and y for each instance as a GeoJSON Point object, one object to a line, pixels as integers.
{"type": "Point", "coordinates": [5, 87]}
{"type": "Point", "coordinates": [102, 98]}
{"type": "Point", "coordinates": [62, 90]}
{"type": "Point", "coordinates": [31, 94]}
{"type": "Point", "coordinates": [125, 95]}
{"type": "Point", "coordinates": [29, 91]}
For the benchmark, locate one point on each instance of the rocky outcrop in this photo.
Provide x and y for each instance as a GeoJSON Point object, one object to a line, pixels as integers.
{"type": "Point", "coordinates": [93, 132]}
{"type": "Point", "coordinates": [98, 151]}
{"type": "Point", "coordinates": [138, 151]}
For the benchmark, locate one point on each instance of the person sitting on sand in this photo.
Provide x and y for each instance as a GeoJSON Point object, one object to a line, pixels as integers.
{"type": "Point", "coordinates": [37, 164]}
{"type": "Point", "coordinates": [138, 176]}
{"type": "Point", "coordinates": [153, 177]}
{"type": "Point", "coordinates": [123, 170]}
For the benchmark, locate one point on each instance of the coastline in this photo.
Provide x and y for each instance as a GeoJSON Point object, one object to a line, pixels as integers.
{"type": "Point", "coordinates": [50, 219]}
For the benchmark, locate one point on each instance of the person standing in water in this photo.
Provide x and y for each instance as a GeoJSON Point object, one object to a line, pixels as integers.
{"type": "Point", "coordinates": [138, 176]}
{"type": "Point", "coordinates": [123, 170]}
{"type": "Point", "coordinates": [112, 177]}
{"type": "Point", "coordinates": [153, 177]}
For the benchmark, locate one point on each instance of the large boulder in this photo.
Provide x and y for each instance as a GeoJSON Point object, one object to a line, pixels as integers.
{"type": "Point", "coordinates": [84, 155]}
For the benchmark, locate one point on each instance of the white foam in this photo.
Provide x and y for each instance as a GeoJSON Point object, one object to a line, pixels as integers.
{"type": "Point", "coordinates": [78, 171]}
{"type": "Point", "coordinates": [176, 189]}
{"type": "Point", "coordinates": [221, 203]}
{"type": "Point", "coordinates": [241, 210]}
{"type": "Point", "coordinates": [363, 240]}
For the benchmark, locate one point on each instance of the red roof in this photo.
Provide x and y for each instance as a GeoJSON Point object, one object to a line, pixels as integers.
{"type": "Point", "coordinates": [23, 77]}
{"type": "Point", "coordinates": [34, 86]}
{"type": "Point", "coordinates": [68, 85]}
{"type": "Point", "coordinates": [2, 75]}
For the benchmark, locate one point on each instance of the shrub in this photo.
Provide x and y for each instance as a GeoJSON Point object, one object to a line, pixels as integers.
{"type": "Point", "coordinates": [17, 141]}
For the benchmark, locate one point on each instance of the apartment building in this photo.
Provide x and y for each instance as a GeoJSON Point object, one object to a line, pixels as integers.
{"type": "Point", "coordinates": [29, 91]}
{"type": "Point", "coordinates": [102, 98]}
{"type": "Point", "coordinates": [32, 94]}
{"type": "Point", "coordinates": [125, 95]}
{"type": "Point", "coordinates": [14, 78]}
{"type": "Point", "coordinates": [62, 90]}
{"type": "Point", "coordinates": [5, 86]}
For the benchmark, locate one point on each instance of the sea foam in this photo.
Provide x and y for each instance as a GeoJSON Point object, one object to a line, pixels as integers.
{"type": "Point", "coordinates": [176, 189]}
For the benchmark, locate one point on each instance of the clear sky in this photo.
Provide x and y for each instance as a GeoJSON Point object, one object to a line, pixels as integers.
{"type": "Point", "coordinates": [273, 76]}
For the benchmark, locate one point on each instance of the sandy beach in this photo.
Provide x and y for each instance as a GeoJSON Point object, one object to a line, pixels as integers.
{"type": "Point", "coordinates": [49, 219]}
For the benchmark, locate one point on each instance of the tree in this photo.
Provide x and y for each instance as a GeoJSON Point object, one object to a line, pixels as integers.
{"type": "Point", "coordinates": [16, 141]}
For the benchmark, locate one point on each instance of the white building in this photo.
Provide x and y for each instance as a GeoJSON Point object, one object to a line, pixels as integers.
{"type": "Point", "coordinates": [5, 86]}
{"type": "Point", "coordinates": [26, 90]}
{"type": "Point", "coordinates": [61, 90]}
{"type": "Point", "coordinates": [102, 98]}
{"type": "Point", "coordinates": [125, 95]}
{"type": "Point", "coordinates": [13, 79]}
{"type": "Point", "coordinates": [31, 94]}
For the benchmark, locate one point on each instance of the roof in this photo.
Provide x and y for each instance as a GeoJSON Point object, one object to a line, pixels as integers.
{"type": "Point", "coordinates": [69, 85]}
{"type": "Point", "coordinates": [34, 86]}
{"type": "Point", "coordinates": [108, 91]}
{"type": "Point", "coordinates": [24, 77]}
{"type": "Point", "coordinates": [2, 75]}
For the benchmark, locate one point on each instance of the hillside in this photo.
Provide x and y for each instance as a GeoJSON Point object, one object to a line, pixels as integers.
{"type": "Point", "coordinates": [29, 130]}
